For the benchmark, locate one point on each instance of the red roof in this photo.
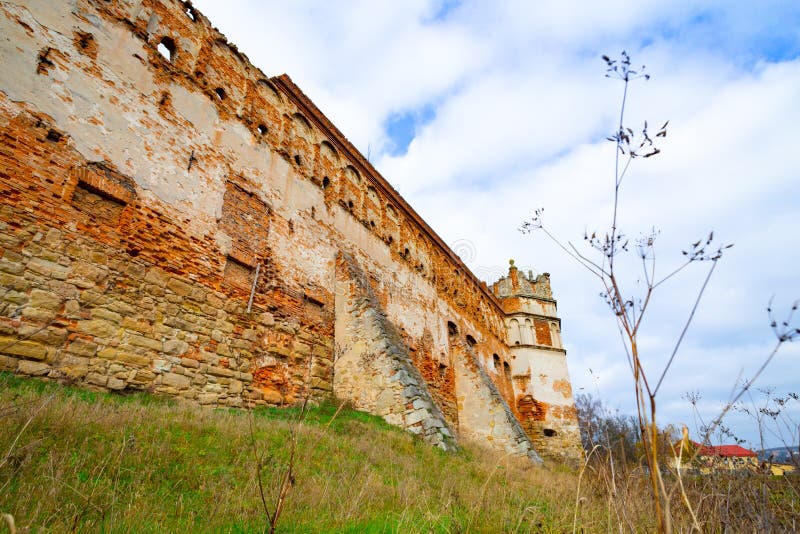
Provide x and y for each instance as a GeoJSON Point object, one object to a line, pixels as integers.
{"type": "Point", "coordinates": [723, 450]}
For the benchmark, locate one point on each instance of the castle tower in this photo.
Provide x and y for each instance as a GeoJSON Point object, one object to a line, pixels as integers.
{"type": "Point", "coordinates": [542, 392]}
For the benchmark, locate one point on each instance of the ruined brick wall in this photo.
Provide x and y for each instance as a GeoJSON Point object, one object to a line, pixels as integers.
{"type": "Point", "coordinates": [171, 219]}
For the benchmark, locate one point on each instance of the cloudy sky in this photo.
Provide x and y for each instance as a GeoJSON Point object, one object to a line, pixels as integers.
{"type": "Point", "coordinates": [479, 112]}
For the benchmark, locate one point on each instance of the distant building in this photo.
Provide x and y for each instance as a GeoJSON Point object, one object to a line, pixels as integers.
{"type": "Point", "coordinates": [709, 458]}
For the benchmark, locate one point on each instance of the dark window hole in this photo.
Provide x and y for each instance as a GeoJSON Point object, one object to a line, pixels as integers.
{"type": "Point", "coordinates": [326, 182]}
{"type": "Point", "coordinates": [452, 329]}
{"type": "Point", "coordinates": [220, 92]}
{"type": "Point", "coordinates": [53, 136]}
{"type": "Point", "coordinates": [350, 204]}
{"type": "Point", "coordinates": [166, 48]}
{"type": "Point", "coordinates": [262, 130]}
{"type": "Point", "coordinates": [549, 432]}
{"type": "Point", "coordinates": [190, 13]}
{"type": "Point", "coordinates": [298, 159]}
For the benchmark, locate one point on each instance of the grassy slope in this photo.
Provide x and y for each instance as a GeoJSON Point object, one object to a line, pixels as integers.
{"type": "Point", "coordinates": [97, 462]}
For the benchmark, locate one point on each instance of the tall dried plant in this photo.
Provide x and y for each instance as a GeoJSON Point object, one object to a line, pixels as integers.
{"type": "Point", "coordinates": [629, 302]}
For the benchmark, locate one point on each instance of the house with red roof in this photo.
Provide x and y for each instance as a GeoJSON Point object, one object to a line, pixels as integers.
{"type": "Point", "coordinates": [715, 457]}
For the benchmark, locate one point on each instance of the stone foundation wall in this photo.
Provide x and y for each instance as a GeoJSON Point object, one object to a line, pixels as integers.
{"type": "Point", "coordinates": [373, 369]}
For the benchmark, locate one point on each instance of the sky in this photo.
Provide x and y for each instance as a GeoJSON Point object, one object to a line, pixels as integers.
{"type": "Point", "coordinates": [480, 112]}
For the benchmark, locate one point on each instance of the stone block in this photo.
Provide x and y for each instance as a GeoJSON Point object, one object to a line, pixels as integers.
{"type": "Point", "coordinates": [30, 350]}
{"type": "Point", "coordinates": [207, 398]}
{"type": "Point", "coordinates": [11, 267]}
{"type": "Point", "coordinates": [235, 387]}
{"type": "Point", "coordinates": [145, 342]}
{"type": "Point", "coordinates": [115, 384]}
{"type": "Point", "coordinates": [142, 327]}
{"type": "Point", "coordinates": [7, 363]}
{"type": "Point", "coordinates": [175, 380]}
{"type": "Point", "coordinates": [48, 268]}
{"type": "Point", "coordinates": [38, 314]}
{"type": "Point", "coordinates": [156, 276]}
{"type": "Point", "coordinates": [175, 347]}
{"type": "Point", "coordinates": [98, 328]}
{"type": "Point", "coordinates": [179, 287]}
{"type": "Point", "coordinates": [272, 396]}
{"type": "Point", "coordinates": [190, 363]}
{"type": "Point", "coordinates": [33, 368]}
{"type": "Point", "coordinates": [219, 371]}
{"type": "Point", "coordinates": [142, 376]}
{"type": "Point", "coordinates": [17, 283]}
{"type": "Point", "coordinates": [106, 314]}
{"type": "Point", "coordinates": [45, 300]}
{"type": "Point", "coordinates": [415, 417]}
{"type": "Point", "coordinates": [97, 379]}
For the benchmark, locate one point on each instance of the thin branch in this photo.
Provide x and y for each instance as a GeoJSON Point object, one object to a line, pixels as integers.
{"type": "Point", "coordinates": [686, 326]}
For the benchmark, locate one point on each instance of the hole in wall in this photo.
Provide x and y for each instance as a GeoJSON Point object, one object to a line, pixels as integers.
{"type": "Point", "coordinates": [220, 92]}
{"type": "Point", "coordinates": [43, 62]}
{"type": "Point", "coordinates": [166, 47]}
{"type": "Point", "coordinates": [471, 340]}
{"type": "Point", "coordinates": [549, 432]}
{"type": "Point", "coordinates": [496, 361]}
{"type": "Point", "coordinates": [297, 159]}
{"type": "Point", "coordinates": [85, 43]}
{"type": "Point", "coordinates": [262, 130]}
{"type": "Point", "coordinates": [190, 13]}
{"type": "Point", "coordinates": [507, 370]}
{"type": "Point", "coordinates": [53, 136]}
{"type": "Point", "coordinates": [452, 329]}
{"type": "Point", "coordinates": [326, 182]}
{"type": "Point", "coordinates": [350, 204]}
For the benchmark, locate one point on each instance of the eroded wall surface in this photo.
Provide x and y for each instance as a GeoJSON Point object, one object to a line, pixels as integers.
{"type": "Point", "coordinates": [171, 221]}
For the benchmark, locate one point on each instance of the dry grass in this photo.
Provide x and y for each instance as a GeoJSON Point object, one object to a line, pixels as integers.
{"type": "Point", "coordinates": [72, 460]}
{"type": "Point", "coordinates": [725, 501]}
{"type": "Point", "coordinates": [94, 462]}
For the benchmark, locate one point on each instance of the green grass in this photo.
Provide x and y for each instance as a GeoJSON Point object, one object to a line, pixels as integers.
{"type": "Point", "coordinates": [86, 461]}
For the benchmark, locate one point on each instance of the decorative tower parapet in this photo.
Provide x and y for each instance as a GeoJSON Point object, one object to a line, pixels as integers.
{"type": "Point", "coordinates": [542, 391]}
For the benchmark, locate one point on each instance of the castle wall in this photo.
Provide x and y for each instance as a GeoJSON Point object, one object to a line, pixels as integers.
{"type": "Point", "coordinates": [172, 223]}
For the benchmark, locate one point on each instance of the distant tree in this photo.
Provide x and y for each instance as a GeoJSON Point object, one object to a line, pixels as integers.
{"type": "Point", "coordinates": [610, 429]}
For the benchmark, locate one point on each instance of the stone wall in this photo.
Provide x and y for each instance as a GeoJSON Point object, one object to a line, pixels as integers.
{"type": "Point", "coordinates": [172, 217]}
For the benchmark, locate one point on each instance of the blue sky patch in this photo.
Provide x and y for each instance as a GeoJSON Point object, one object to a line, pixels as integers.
{"type": "Point", "coordinates": [403, 127]}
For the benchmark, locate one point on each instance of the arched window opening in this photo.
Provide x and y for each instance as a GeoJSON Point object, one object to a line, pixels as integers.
{"type": "Point", "coordinates": [326, 182]}
{"type": "Point", "coordinates": [528, 333]}
{"type": "Point", "coordinates": [513, 332]}
{"type": "Point", "coordinates": [166, 48]}
{"type": "Point", "coordinates": [220, 92]}
{"type": "Point", "coordinates": [452, 329]}
{"type": "Point", "coordinates": [496, 361]}
{"type": "Point", "coordinates": [507, 370]}
{"type": "Point", "coordinates": [262, 130]}
{"type": "Point", "coordinates": [471, 340]}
